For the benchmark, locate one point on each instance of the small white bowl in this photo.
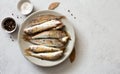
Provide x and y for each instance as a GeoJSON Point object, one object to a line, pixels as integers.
{"type": "Point", "coordinates": [4, 20]}
{"type": "Point", "coordinates": [25, 7]}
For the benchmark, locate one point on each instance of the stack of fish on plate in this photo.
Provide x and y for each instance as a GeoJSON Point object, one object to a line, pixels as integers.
{"type": "Point", "coordinates": [49, 39]}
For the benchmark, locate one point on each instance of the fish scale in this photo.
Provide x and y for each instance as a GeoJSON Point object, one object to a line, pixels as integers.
{"type": "Point", "coordinates": [42, 27]}
{"type": "Point", "coordinates": [50, 34]}
{"type": "Point", "coordinates": [48, 42]}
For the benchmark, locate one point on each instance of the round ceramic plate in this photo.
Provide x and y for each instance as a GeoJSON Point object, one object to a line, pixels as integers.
{"type": "Point", "coordinates": [23, 44]}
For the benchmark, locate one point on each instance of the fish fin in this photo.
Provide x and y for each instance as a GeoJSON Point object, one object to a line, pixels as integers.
{"type": "Point", "coordinates": [26, 37]}
{"type": "Point", "coordinates": [61, 26]}
{"type": "Point", "coordinates": [60, 17]}
{"type": "Point", "coordinates": [27, 52]}
{"type": "Point", "coordinates": [62, 48]}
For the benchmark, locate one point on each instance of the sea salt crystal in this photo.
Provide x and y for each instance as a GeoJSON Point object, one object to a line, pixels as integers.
{"type": "Point", "coordinates": [26, 8]}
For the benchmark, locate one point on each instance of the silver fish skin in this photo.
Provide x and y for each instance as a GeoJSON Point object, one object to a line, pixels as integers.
{"type": "Point", "coordinates": [46, 56]}
{"type": "Point", "coordinates": [42, 48]}
{"type": "Point", "coordinates": [50, 34]}
{"type": "Point", "coordinates": [42, 27]}
{"type": "Point", "coordinates": [48, 42]}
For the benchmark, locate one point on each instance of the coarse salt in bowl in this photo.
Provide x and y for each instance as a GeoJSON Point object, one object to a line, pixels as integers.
{"type": "Point", "coordinates": [25, 7]}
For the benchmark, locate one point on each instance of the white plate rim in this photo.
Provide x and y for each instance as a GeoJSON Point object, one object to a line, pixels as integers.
{"type": "Point", "coordinates": [43, 65]}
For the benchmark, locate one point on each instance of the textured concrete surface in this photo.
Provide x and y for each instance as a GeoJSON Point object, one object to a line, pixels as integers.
{"type": "Point", "coordinates": [97, 26]}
